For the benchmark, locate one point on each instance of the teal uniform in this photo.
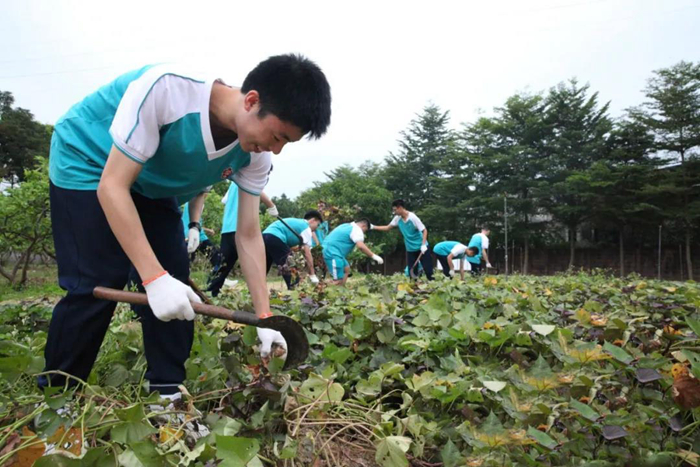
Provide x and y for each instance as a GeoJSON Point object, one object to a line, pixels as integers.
{"type": "Point", "coordinates": [159, 118]}
{"type": "Point", "coordinates": [281, 231]}
{"type": "Point", "coordinates": [338, 245]}
{"type": "Point", "coordinates": [411, 229]}
{"type": "Point", "coordinates": [476, 243]}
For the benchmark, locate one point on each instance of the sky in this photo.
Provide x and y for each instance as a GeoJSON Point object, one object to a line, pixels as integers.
{"type": "Point", "coordinates": [385, 60]}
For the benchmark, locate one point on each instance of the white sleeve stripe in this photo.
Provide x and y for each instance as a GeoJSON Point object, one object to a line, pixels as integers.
{"type": "Point", "coordinates": [138, 112]}
{"type": "Point", "coordinates": [417, 222]}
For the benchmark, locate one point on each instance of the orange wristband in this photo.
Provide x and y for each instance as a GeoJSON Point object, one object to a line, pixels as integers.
{"type": "Point", "coordinates": [148, 281]}
{"type": "Point", "coordinates": [265, 315]}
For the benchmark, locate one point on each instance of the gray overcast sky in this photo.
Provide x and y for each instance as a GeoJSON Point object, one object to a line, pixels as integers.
{"type": "Point", "coordinates": [385, 60]}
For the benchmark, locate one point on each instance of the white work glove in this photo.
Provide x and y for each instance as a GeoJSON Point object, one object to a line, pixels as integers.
{"type": "Point", "coordinates": [423, 248]}
{"type": "Point", "coordinates": [267, 338]}
{"type": "Point", "coordinates": [192, 240]}
{"type": "Point", "coordinates": [488, 265]}
{"type": "Point", "coordinates": [313, 279]}
{"type": "Point", "coordinates": [452, 272]}
{"type": "Point", "coordinates": [371, 227]}
{"type": "Point", "coordinates": [378, 259]}
{"type": "Point", "coordinates": [273, 211]}
{"type": "Point", "coordinates": [170, 299]}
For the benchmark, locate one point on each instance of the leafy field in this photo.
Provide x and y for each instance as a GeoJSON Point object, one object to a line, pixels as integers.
{"type": "Point", "coordinates": [527, 371]}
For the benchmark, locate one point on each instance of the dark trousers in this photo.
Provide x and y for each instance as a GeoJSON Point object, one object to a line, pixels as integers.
{"type": "Point", "coordinates": [445, 264]}
{"type": "Point", "coordinates": [277, 251]}
{"type": "Point", "coordinates": [426, 261]}
{"type": "Point", "coordinates": [88, 255]}
{"type": "Point", "coordinates": [476, 268]}
{"type": "Point", "coordinates": [229, 256]}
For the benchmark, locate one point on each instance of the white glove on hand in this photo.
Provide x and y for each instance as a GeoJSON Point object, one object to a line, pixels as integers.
{"type": "Point", "coordinates": [170, 299]}
{"type": "Point", "coordinates": [452, 273]}
{"type": "Point", "coordinates": [267, 338]}
{"type": "Point", "coordinates": [488, 265]}
{"type": "Point", "coordinates": [423, 248]}
{"type": "Point", "coordinates": [371, 227]}
{"type": "Point", "coordinates": [192, 240]}
{"type": "Point", "coordinates": [313, 279]}
{"type": "Point", "coordinates": [273, 211]}
{"type": "Point", "coordinates": [378, 259]}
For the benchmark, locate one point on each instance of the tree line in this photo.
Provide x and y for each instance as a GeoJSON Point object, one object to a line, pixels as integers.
{"type": "Point", "coordinates": [568, 172]}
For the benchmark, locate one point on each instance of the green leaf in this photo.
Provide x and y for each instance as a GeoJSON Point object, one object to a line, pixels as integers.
{"type": "Point", "coordinates": [391, 451]}
{"type": "Point", "coordinates": [316, 387]}
{"type": "Point", "coordinates": [542, 438]}
{"type": "Point", "coordinates": [250, 335]}
{"type": "Point", "coordinates": [543, 329]}
{"type": "Point", "coordinates": [450, 455]}
{"type": "Point", "coordinates": [618, 353]}
{"type": "Point", "coordinates": [694, 324]}
{"type": "Point", "coordinates": [130, 432]}
{"type": "Point", "coordinates": [235, 451]}
{"type": "Point", "coordinates": [584, 410]}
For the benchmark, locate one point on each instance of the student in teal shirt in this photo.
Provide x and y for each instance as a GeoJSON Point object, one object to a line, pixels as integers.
{"type": "Point", "coordinates": [229, 252]}
{"type": "Point", "coordinates": [415, 237]}
{"type": "Point", "coordinates": [338, 245]}
{"type": "Point", "coordinates": [121, 163]}
{"type": "Point", "coordinates": [447, 251]}
{"type": "Point", "coordinates": [475, 260]}
{"type": "Point", "coordinates": [279, 239]}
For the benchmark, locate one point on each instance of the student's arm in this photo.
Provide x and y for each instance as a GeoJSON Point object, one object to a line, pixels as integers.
{"type": "Point", "coordinates": [196, 206]}
{"type": "Point", "coordinates": [486, 257]}
{"type": "Point", "coordinates": [364, 249]}
{"type": "Point", "coordinates": [382, 228]}
{"type": "Point", "coordinates": [450, 257]}
{"type": "Point", "coordinates": [114, 194]}
{"type": "Point", "coordinates": [168, 297]}
{"type": "Point", "coordinates": [309, 260]}
{"type": "Point", "coordinates": [251, 251]}
{"type": "Point", "coordinates": [425, 238]}
{"type": "Point", "coordinates": [315, 237]}
{"type": "Point", "coordinates": [461, 266]}
{"type": "Point", "coordinates": [271, 208]}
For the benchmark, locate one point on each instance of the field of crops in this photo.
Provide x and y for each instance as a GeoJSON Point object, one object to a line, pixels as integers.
{"type": "Point", "coordinates": [497, 371]}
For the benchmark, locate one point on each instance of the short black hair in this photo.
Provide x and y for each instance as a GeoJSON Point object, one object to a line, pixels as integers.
{"type": "Point", "coordinates": [485, 227]}
{"type": "Point", "coordinates": [365, 220]}
{"type": "Point", "coordinates": [473, 249]}
{"type": "Point", "coordinates": [295, 90]}
{"type": "Point", "coordinates": [398, 203]}
{"type": "Point", "coordinates": [313, 214]}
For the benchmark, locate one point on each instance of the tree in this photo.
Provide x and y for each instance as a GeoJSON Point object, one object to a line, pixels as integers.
{"type": "Point", "coordinates": [22, 139]}
{"type": "Point", "coordinates": [579, 129]}
{"type": "Point", "coordinates": [287, 207]}
{"type": "Point", "coordinates": [508, 155]}
{"type": "Point", "coordinates": [672, 113]}
{"type": "Point", "coordinates": [411, 173]}
{"type": "Point", "coordinates": [616, 184]}
{"type": "Point", "coordinates": [25, 226]}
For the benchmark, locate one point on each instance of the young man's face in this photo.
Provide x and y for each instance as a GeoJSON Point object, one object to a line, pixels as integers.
{"type": "Point", "coordinates": [470, 253]}
{"type": "Point", "coordinates": [364, 227]}
{"type": "Point", "coordinates": [313, 224]}
{"type": "Point", "coordinates": [268, 133]}
{"type": "Point", "coordinates": [398, 210]}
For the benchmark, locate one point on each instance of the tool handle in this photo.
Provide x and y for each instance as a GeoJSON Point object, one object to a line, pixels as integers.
{"type": "Point", "coordinates": [213, 311]}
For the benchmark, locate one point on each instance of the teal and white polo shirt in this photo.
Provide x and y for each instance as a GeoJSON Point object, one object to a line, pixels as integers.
{"type": "Point", "coordinates": [159, 117]}
{"type": "Point", "coordinates": [281, 231]}
{"type": "Point", "coordinates": [412, 230]}
{"type": "Point", "coordinates": [450, 247]}
{"type": "Point", "coordinates": [340, 242]}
